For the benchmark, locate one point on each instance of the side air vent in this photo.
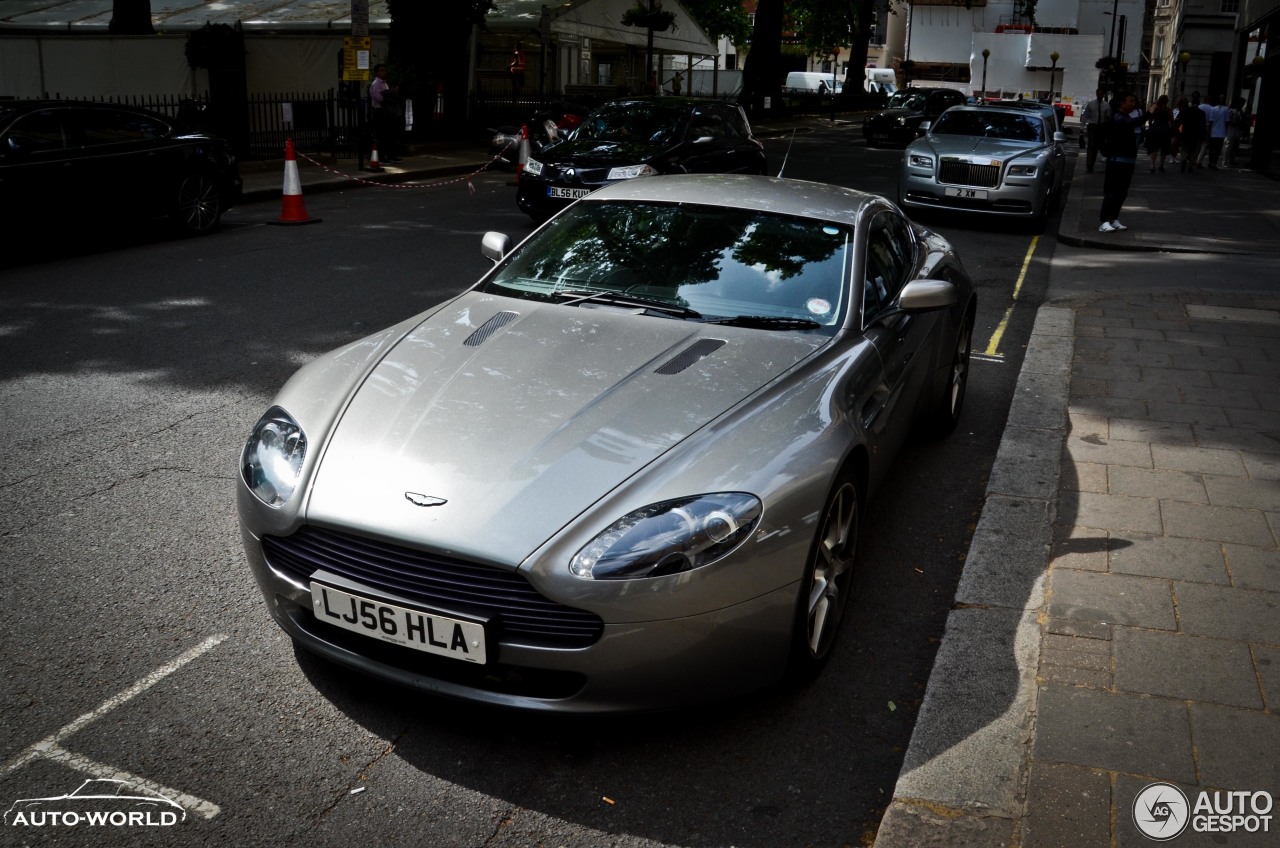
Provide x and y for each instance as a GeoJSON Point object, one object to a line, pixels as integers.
{"type": "Point", "coordinates": [688, 356]}
{"type": "Point", "coordinates": [488, 328]}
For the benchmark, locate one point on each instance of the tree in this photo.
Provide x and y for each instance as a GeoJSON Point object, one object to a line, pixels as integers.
{"type": "Point", "coordinates": [720, 19]}
{"type": "Point", "coordinates": [762, 72]}
{"type": "Point", "coordinates": [428, 46]}
{"type": "Point", "coordinates": [820, 25]}
{"type": "Point", "coordinates": [131, 17]}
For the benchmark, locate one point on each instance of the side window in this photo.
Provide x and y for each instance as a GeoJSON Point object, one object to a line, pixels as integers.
{"type": "Point", "coordinates": [734, 127]}
{"type": "Point", "coordinates": [706, 123]}
{"type": "Point", "coordinates": [108, 126]}
{"type": "Point", "coordinates": [889, 252]}
{"type": "Point", "coordinates": [38, 132]}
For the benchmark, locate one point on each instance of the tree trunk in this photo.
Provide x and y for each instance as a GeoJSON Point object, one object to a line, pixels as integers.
{"type": "Point", "coordinates": [762, 72]}
{"type": "Point", "coordinates": [856, 74]}
{"type": "Point", "coordinates": [131, 17]}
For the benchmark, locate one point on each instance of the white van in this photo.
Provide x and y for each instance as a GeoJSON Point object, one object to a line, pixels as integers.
{"type": "Point", "coordinates": [812, 82]}
{"type": "Point", "coordinates": [880, 81]}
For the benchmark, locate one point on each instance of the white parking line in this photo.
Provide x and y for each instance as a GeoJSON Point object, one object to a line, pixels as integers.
{"type": "Point", "coordinates": [50, 747]}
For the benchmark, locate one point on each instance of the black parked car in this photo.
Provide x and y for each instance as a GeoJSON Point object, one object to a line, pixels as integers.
{"type": "Point", "coordinates": [899, 124]}
{"type": "Point", "coordinates": [632, 138]}
{"type": "Point", "coordinates": [80, 164]}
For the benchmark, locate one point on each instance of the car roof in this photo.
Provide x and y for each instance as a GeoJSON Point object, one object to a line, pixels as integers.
{"type": "Point", "coordinates": [668, 100]}
{"type": "Point", "coordinates": [999, 107]}
{"type": "Point", "coordinates": [799, 198]}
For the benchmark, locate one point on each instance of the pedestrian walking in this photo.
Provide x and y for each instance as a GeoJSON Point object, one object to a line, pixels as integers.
{"type": "Point", "coordinates": [1097, 112]}
{"type": "Point", "coordinates": [1120, 144]}
{"type": "Point", "coordinates": [1216, 117]}
{"type": "Point", "coordinates": [1235, 121]}
{"type": "Point", "coordinates": [1159, 133]}
{"type": "Point", "coordinates": [1191, 132]}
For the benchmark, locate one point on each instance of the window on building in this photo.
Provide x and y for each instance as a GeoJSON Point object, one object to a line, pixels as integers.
{"type": "Point", "coordinates": [1230, 7]}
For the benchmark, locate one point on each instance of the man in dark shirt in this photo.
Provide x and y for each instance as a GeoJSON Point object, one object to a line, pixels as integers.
{"type": "Point", "coordinates": [1122, 156]}
{"type": "Point", "coordinates": [1191, 132]}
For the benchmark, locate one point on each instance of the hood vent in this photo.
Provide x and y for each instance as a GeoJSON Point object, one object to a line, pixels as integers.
{"type": "Point", "coordinates": [690, 355]}
{"type": "Point", "coordinates": [488, 328]}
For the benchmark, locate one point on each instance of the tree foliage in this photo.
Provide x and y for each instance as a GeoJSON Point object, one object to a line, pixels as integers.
{"type": "Point", "coordinates": [821, 26]}
{"type": "Point", "coordinates": [720, 19]}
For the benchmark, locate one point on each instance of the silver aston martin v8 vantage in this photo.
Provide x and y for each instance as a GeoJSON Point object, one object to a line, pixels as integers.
{"type": "Point", "coordinates": [625, 470]}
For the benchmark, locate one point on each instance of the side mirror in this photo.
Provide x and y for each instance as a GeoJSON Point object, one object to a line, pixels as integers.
{"type": "Point", "coordinates": [703, 139]}
{"type": "Point", "coordinates": [927, 295]}
{"type": "Point", "coordinates": [925, 126]}
{"type": "Point", "coordinates": [1060, 137]}
{"type": "Point", "coordinates": [495, 245]}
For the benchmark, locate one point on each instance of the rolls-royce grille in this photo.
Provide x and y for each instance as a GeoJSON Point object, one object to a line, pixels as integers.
{"type": "Point", "coordinates": [439, 582]}
{"type": "Point", "coordinates": [968, 174]}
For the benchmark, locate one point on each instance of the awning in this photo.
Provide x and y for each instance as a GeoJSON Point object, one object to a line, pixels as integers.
{"type": "Point", "coordinates": [602, 20]}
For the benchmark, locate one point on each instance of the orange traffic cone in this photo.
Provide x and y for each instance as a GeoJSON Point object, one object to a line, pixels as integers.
{"type": "Point", "coordinates": [374, 164]}
{"type": "Point", "coordinates": [291, 210]}
{"type": "Point", "coordinates": [524, 151]}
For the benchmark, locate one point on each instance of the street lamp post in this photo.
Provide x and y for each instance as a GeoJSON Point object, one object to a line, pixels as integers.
{"type": "Point", "coordinates": [986, 54]}
{"type": "Point", "coordinates": [1184, 59]}
{"type": "Point", "coordinates": [1053, 72]}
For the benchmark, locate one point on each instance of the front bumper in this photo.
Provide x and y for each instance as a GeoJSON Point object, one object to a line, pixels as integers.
{"type": "Point", "coordinates": [632, 666]}
{"type": "Point", "coordinates": [533, 194]}
{"type": "Point", "coordinates": [1013, 197]}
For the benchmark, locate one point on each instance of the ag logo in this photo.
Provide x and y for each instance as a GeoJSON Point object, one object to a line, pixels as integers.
{"type": "Point", "coordinates": [1161, 811]}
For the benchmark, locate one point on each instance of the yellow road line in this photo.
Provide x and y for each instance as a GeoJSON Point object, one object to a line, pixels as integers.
{"type": "Point", "coordinates": [994, 345]}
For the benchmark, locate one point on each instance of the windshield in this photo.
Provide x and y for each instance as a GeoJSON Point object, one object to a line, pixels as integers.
{"type": "Point", "coordinates": [705, 263]}
{"type": "Point", "coordinates": [651, 123]}
{"type": "Point", "coordinates": [907, 100]}
{"type": "Point", "coordinates": [990, 124]}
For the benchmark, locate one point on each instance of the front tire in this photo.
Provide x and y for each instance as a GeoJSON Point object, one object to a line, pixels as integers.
{"type": "Point", "coordinates": [828, 579]}
{"type": "Point", "coordinates": [198, 206]}
{"type": "Point", "coordinates": [950, 403]}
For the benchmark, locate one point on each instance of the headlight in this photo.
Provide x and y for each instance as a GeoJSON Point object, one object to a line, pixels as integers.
{"type": "Point", "coordinates": [902, 122]}
{"type": "Point", "coordinates": [628, 172]}
{"type": "Point", "coordinates": [272, 458]}
{"type": "Point", "coordinates": [1022, 170]}
{"type": "Point", "coordinates": [533, 167]}
{"type": "Point", "coordinates": [918, 161]}
{"type": "Point", "coordinates": [669, 537]}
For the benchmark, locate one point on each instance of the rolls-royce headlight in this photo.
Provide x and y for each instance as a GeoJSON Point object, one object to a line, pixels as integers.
{"type": "Point", "coordinates": [918, 161]}
{"type": "Point", "coordinates": [1022, 170]}
{"type": "Point", "coordinates": [669, 537]}
{"type": "Point", "coordinates": [272, 458]}
{"type": "Point", "coordinates": [630, 172]}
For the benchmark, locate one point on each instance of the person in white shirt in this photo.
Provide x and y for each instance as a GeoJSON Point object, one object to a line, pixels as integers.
{"type": "Point", "coordinates": [1215, 115]}
{"type": "Point", "coordinates": [1097, 112]}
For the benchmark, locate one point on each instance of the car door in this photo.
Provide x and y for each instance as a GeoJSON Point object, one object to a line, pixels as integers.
{"type": "Point", "coordinates": [900, 339]}
{"type": "Point", "coordinates": [40, 166]}
{"type": "Point", "coordinates": [127, 158]}
{"type": "Point", "coordinates": [717, 142]}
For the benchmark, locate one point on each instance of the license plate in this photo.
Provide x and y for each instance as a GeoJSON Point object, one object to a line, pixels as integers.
{"type": "Point", "coordinates": [569, 193]}
{"type": "Point", "coordinates": [969, 193]}
{"type": "Point", "coordinates": [409, 628]}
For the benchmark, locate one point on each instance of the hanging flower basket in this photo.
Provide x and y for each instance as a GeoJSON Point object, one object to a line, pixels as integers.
{"type": "Point", "coordinates": [640, 16]}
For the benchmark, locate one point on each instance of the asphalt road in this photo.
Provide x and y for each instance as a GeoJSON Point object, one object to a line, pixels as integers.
{"type": "Point", "coordinates": [136, 646]}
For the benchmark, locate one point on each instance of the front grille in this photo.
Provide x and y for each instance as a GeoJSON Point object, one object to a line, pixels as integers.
{"type": "Point", "coordinates": [968, 174]}
{"type": "Point", "coordinates": [442, 583]}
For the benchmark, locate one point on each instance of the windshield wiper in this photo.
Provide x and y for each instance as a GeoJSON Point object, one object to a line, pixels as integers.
{"type": "Point", "coordinates": [622, 299]}
{"type": "Point", "coordinates": [767, 322]}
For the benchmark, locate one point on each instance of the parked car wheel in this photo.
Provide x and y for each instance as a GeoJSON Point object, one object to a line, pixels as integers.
{"type": "Point", "coordinates": [826, 587]}
{"type": "Point", "coordinates": [199, 206]}
{"type": "Point", "coordinates": [946, 413]}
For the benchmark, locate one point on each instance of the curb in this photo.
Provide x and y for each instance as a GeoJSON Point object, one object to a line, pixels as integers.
{"type": "Point", "coordinates": [964, 775]}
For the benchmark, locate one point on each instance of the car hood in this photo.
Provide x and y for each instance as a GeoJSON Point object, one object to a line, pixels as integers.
{"type": "Point", "coordinates": [978, 146]}
{"type": "Point", "coordinates": [519, 430]}
{"type": "Point", "coordinates": [597, 153]}
{"type": "Point", "coordinates": [894, 114]}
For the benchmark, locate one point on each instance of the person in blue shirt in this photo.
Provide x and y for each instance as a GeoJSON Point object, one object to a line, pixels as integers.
{"type": "Point", "coordinates": [1122, 157]}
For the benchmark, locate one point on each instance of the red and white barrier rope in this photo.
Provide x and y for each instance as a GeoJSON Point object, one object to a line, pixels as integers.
{"type": "Point", "coordinates": [436, 184]}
